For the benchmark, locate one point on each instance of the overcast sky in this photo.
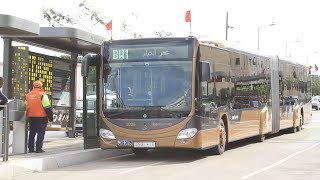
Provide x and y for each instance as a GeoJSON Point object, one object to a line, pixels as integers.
{"type": "Point", "coordinates": [295, 21]}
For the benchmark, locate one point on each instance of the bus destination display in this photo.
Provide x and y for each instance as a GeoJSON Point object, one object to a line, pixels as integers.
{"type": "Point", "coordinates": [149, 52]}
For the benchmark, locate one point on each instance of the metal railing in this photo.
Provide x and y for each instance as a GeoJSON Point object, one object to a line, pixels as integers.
{"type": "Point", "coordinates": [5, 130]}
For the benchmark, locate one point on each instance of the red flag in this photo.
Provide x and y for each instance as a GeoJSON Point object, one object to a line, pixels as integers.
{"type": "Point", "coordinates": [188, 16]}
{"type": "Point", "coordinates": [109, 25]}
{"type": "Point", "coordinates": [316, 67]}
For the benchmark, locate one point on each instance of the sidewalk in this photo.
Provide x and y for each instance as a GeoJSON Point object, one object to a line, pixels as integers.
{"type": "Point", "coordinates": [60, 152]}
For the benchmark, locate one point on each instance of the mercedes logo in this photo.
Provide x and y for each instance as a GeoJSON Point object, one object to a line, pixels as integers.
{"type": "Point", "coordinates": [144, 116]}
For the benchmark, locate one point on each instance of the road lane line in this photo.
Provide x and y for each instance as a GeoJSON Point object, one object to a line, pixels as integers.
{"type": "Point", "coordinates": [119, 156]}
{"type": "Point", "coordinates": [138, 168]}
{"type": "Point", "coordinates": [278, 163]}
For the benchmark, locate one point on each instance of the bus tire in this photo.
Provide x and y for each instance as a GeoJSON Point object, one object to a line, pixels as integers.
{"type": "Point", "coordinates": [140, 151]}
{"type": "Point", "coordinates": [299, 127]}
{"type": "Point", "coordinates": [261, 138]}
{"type": "Point", "coordinates": [294, 129]}
{"type": "Point", "coordinates": [220, 148]}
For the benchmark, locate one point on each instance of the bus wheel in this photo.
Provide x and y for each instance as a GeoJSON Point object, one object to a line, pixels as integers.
{"type": "Point", "coordinates": [139, 151]}
{"type": "Point", "coordinates": [219, 149]}
{"type": "Point", "coordinates": [261, 137]}
{"type": "Point", "coordinates": [294, 129]}
{"type": "Point", "coordinates": [299, 128]}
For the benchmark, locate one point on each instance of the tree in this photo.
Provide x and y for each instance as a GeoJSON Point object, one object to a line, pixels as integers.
{"type": "Point", "coordinates": [88, 14]}
{"type": "Point", "coordinates": [162, 33]}
{"type": "Point", "coordinates": [57, 18]}
{"type": "Point", "coordinates": [315, 87]}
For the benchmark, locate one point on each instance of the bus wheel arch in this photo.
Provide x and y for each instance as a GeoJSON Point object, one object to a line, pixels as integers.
{"type": "Point", "coordinates": [223, 137]}
{"type": "Point", "coordinates": [301, 120]}
{"type": "Point", "coordinates": [226, 125]}
{"type": "Point", "coordinates": [263, 120]}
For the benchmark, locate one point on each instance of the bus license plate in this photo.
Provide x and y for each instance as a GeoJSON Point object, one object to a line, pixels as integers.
{"type": "Point", "coordinates": [144, 144]}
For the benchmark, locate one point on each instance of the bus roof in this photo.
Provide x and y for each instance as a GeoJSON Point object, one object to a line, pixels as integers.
{"type": "Point", "coordinates": [210, 43]}
{"type": "Point", "coordinates": [147, 40]}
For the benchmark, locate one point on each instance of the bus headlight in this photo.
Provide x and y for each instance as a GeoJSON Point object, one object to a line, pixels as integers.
{"type": "Point", "coordinates": [106, 134]}
{"type": "Point", "coordinates": [187, 133]}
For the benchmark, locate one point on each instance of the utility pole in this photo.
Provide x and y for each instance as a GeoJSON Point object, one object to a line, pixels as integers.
{"type": "Point", "coordinates": [227, 26]}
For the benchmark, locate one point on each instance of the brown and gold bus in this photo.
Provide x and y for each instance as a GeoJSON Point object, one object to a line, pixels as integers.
{"type": "Point", "coordinates": [182, 93]}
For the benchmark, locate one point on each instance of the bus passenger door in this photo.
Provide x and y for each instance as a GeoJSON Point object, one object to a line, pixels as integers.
{"type": "Point", "coordinates": [90, 114]}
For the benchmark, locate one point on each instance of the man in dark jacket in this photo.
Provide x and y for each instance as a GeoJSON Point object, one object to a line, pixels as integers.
{"type": "Point", "coordinates": [38, 112]}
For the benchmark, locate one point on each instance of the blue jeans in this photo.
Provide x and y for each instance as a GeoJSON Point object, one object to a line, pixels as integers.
{"type": "Point", "coordinates": [37, 126]}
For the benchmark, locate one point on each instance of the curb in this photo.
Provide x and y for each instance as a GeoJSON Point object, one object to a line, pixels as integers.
{"type": "Point", "coordinates": [50, 162]}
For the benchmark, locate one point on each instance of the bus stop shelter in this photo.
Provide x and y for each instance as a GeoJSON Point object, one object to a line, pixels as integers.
{"type": "Point", "coordinates": [21, 66]}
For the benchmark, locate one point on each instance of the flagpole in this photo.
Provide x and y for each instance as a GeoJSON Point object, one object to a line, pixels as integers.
{"type": "Point", "coordinates": [111, 35]}
{"type": "Point", "coordinates": [111, 28]}
{"type": "Point", "coordinates": [188, 19]}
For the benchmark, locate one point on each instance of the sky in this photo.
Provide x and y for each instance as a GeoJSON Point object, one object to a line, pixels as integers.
{"type": "Point", "coordinates": [295, 33]}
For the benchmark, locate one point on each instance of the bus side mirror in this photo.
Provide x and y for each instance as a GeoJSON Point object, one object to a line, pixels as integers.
{"type": "Point", "coordinates": [88, 60]}
{"type": "Point", "coordinates": [205, 71]}
{"type": "Point", "coordinates": [106, 69]}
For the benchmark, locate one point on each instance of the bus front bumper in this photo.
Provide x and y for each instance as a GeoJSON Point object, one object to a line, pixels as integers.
{"type": "Point", "coordinates": [202, 140]}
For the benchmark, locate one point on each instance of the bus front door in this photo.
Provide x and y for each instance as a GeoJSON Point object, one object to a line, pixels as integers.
{"type": "Point", "coordinates": [90, 118]}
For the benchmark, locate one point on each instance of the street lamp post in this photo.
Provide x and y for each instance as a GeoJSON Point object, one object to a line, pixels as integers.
{"type": "Point", "coordinates": [227, 26]}
{"type": "Point", "coordinates": [288, 44]}
{"type": "Point", "coordinates": [272, 24]}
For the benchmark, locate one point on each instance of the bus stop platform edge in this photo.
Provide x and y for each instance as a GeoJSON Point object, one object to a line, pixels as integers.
{"type": "Point", "coordinates": [59, 153]}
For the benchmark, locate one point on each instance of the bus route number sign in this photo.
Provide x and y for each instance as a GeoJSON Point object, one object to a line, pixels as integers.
{"type": "Point", "coordinates": [120, 54]}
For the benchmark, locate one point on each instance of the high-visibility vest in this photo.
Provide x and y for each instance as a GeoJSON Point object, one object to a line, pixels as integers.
{"type": "Point", "coordinates": [34, 103]}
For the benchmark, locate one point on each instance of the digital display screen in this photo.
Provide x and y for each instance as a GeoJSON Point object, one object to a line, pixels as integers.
{"type": "Point", "coordinates": [19, 72]}
{"type": "Point", "coordinates": [40, 68]}
{"type": "Point", "coordinates": [148, 52]}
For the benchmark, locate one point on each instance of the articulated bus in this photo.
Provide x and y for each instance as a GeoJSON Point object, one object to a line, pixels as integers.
{"type": "Point", "coordinates": [158, 93]}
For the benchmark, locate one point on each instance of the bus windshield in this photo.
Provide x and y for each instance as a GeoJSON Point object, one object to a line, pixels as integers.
{"type": "Point", "coordinates": [151, 82]}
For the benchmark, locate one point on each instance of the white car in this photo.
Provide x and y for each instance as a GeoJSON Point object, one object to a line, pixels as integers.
{"type": "Point", "coordinates": [316, 102]}
{"type": "Point", "coordinates": [79, 111]}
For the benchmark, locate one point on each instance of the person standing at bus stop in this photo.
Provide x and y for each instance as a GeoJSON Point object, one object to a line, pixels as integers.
{"type": "Point", "coordinates": [38, 112]}
{"type": "Point", "coordinates": [3, 98]}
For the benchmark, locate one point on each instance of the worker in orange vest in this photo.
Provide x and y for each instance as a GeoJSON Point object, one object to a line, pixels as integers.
{"type": "Point", "coordinates": [39, 111]}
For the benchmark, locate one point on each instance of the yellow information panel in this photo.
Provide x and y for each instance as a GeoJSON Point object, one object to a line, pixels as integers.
{"type": "Point", "coordinates": [19, 70]}
{"type": "Point", "coordinates": [40, 68]}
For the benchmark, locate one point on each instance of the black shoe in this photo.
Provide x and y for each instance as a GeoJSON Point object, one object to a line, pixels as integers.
{"type": "Point", "coordinates": [31, 151]}
{"type": "Point", "coordinates": [40, 151]}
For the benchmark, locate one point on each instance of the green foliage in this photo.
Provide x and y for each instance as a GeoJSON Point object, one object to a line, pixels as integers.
{"type": "Point", "coordinates": [93, 14]}
{"type": "Point", "coordinates": [88, 14]}
{"type": "Point", "coordinates": [315, 87]}
{"type": "Point", "coordinates": [57, 18]}
{"type": "Point", "coordinates": [65, 56]}
{"type": "Point", "coordinates": [162, 33]}
{"type": "Point", "coordinates": [92, 76]}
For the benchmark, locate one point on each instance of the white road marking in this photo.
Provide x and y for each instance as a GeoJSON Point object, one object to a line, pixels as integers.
{"type": "Point", "coordinates": [138, 168]}
{"type": "Point", "coordinates": [120, 156]}
{"type": "Point", "coordinates": [278, 163]}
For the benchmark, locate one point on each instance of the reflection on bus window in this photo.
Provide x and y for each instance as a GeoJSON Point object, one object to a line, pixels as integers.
{"type": "Point", "coordinates": [154, 83]}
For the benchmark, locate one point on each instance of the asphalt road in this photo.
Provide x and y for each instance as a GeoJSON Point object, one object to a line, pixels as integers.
{"type": "Point", "coordinates": [281, 156]}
